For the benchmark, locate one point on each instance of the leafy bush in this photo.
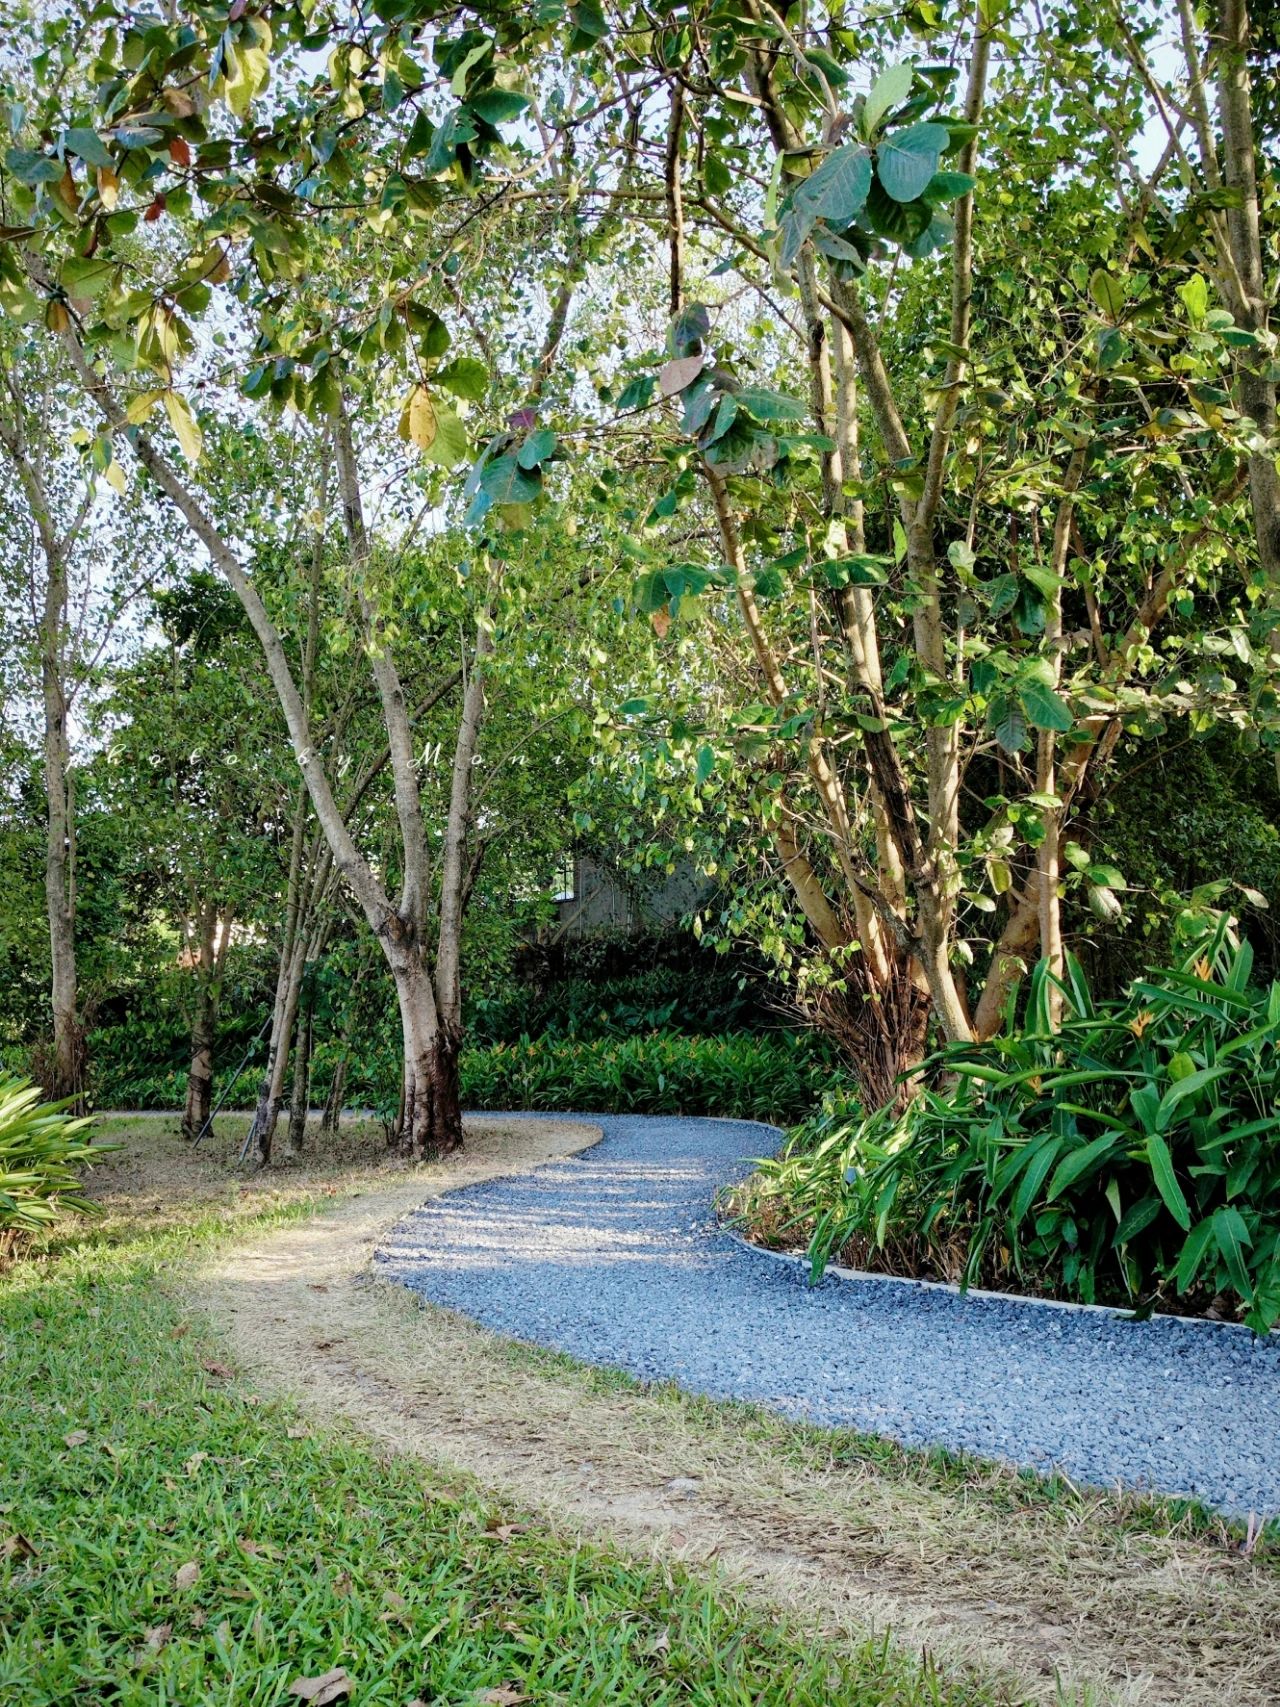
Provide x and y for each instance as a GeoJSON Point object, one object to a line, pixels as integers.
{"type": "Point", "coordinates": [776, 1077]}
{"type": "Point", "coordinates": [41, 1150]}
{"type": "Point", "coordinates": [742, 1076]}
{"type": "Point", "coordinates": [1133, 1155]}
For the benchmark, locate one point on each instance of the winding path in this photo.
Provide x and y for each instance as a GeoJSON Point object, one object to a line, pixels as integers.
{"type": "Point", "coordinates": [615, 1257]}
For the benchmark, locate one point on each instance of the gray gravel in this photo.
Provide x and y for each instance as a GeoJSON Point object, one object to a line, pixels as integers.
{"type": "Point", "coordinates": [615, 1257]}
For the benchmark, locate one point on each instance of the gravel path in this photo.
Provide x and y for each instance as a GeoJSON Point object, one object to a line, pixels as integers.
{"type": "Point", "coordinates": [615, 1257]}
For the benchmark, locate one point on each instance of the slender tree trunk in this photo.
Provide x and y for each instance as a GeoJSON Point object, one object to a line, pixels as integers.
{"type": "Point", "coordinates": [65, 1073]}
{"type": "Point", "coordinates": [332, 1115]}
{"type": "Point", "coordinates": [199, 1101]}
{"type": "Point", "coordinates": [300, 1101]}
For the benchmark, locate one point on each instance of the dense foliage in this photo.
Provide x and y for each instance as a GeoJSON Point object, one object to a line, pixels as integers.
{"type": "Point", "coordinates": [1129, 1155]}
{"type": "Point", "coordinates": [43, 1150]}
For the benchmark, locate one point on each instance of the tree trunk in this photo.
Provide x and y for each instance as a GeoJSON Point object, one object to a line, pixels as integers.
{"type": "Point", "coordinates": [332, 1115]}
{"type": "Point", "coordinates": [881, 1030]}
{"type": "Point", "coordinates": [300, 1100]}
{"type": "Point", "coordinates": [65, 1076]}
{"type": "Point", "coordinates": [196, 1110]}
{"type": "Point", "coordinates": [431, 1125]}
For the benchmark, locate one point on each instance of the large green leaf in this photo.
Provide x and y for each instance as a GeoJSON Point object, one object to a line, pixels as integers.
{"type": "Point", "coordinates": [1080, 1162]}
{"type": "Point", "coordinates": [907, 160]}
{"type": "Point", "coordinates": [889, 90]}
{"type": "Point", "coordinates": [1166, 1180]}
{"type": "Point", "coordinates": [505, 482]}
{"type": "Point", "coordinates": [837, 191]}
{"type": "Point", "coordinates": [1045, 709]}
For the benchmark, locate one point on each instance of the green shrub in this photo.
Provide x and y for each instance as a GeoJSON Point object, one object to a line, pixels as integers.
{"type": "Point", "coordinates": [42, 1148]}
{"type": "Point", "coordinates": [1133, 1155]}
{"type": "Point", "coordinates": [741, 1076]}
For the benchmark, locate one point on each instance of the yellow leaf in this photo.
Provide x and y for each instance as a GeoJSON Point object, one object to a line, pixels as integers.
{"type": "Point", "coordinates": [184, 425]}
{"type": "Point", "coordinates": [418, 418]}
{"type": "Point", "coordinates": [113, 474]}
{"type": "Point", "coordinates": [141, 406]}
{"type": "Point", "coordinates": [57, 317]}
{"type": "Point", "coordinates": [108, 187]}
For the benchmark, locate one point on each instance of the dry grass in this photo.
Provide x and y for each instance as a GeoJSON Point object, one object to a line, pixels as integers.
{"type": "Point", "coordinates": [1065, 1595]}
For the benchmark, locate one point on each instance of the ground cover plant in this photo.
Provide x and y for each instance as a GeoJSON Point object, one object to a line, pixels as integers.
{"type": "Point", "coordinates": [1129, 1155]}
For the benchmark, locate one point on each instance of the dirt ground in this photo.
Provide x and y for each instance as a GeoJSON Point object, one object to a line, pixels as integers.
{"type": "Point", "coordinates": [1081, 1597]}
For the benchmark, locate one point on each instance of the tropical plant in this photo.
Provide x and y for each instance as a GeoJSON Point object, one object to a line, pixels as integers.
{"type": "Point", "coordinates": [738, 1076]}
{"type": "Point", "coordinates": [1132, 1154]}
{"type": "Point", "coordinates": [42, 1149]}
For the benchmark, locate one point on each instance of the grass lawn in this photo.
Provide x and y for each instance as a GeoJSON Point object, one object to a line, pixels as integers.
{"type": "Point", "coordinates": [168, 1536]}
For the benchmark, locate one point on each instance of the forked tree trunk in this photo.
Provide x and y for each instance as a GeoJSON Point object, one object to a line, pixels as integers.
{"type": "Point", "coordinates": [431, 1121]}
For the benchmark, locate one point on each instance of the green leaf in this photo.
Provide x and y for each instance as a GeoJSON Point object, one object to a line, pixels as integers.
{"type": "Point", "coordinates": [637, 393]}
{"type": "Point", "coordinates": [1008, 724]}
{"type": "Point", "coordinates": [536, 448]}
{"type": "Point", "coordinates": [907, 161]}
{"type": "Point", "coordinates": [1232, 1238]}
{"type": "Point", "coordinates": [505, 482]}
{"type": "Point", "coordinates": [32, 168]}
{"type": "Point", "coordinates": [450, 444]}
{"type": "Point", "coordinates": [860, 569]}
{"type": "Point", "coordinates": [1044, 708]}
{"type": "Point", "coordinates": [1079, 1162]}
{"type": "Point", "coordinates": [706, 762]}
{"type": "Point", "coordinates": [88, 145]}
{"type": "Point", "coordinates": [1108, 292]}
{"type": "Point", "coordinates": [498, 106]}
{"type": "Point", "coordinates": [1191, 1256]}
{"type": "Point", "coordinates": [1195, 297]}
{"type": "Point", "coordinates": [465, 376]}
{"type": "Point", "coordinates": [946, 187]}
{"type": "Point", "coordinates": [837, 191]}
{"type": "Point", "coordinates": [889, 90]}
{"type": "Point", "coordinates": [1166, 1180]}
{"type": "Point", "coordinates": [769, 405]}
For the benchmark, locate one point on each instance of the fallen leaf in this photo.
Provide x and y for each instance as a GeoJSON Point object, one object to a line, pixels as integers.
{"type": "Point", "coordinates": [222, 1370]}
{"type": "Point", "coordinates": [77, 1437]}
{"type": "Point", "coordinates": [186, 1576]}
{"type": "Point", "coordinates": [14, 1545]}
{"type": "Point", "coordinates": [505, 1696]}
{"type": "Point", "coordinates": [193, 1463]}
{"type": "Point", "coordinates": [182, 1328]}
{"type": "Point", "coordinates": [342, 1586]}
{"type": "Point", "coordinates": [321, 1690]}
{"type": "Point", "coordinates": [503, 1531]}
{"type": "Point", "coordinates": [298, 1432]}
{"type": "Point", "coordinates": [198, 1619]}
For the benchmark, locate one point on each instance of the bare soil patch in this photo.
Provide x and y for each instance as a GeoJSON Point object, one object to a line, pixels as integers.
{"type": "Point", "coordinates": [1080, 1598]}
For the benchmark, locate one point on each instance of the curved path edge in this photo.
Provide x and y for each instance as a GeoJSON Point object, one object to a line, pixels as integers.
{"type": "Point", "coordinates": [616, 1257]}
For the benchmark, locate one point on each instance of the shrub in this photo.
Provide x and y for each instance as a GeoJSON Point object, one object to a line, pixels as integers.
{"type": "Point", "coordinates": [42, 1148]}
{"type": "Point", "coordinates": [778, 1078]}
{"type": "Point", "coordinates": [1133, 1155]}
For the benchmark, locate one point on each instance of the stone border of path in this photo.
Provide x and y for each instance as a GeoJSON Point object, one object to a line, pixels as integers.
{"type": "Point", "coordinates": [842, 1272]}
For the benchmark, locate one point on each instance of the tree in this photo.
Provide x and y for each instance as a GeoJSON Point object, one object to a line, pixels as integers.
{"type": "Point", "coordinates": [78, 570]}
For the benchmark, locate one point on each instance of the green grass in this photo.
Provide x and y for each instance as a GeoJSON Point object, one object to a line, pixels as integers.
{"type": "Point", "coordinates": [313, 1552]}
